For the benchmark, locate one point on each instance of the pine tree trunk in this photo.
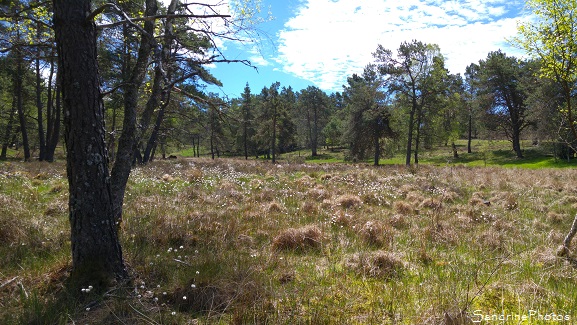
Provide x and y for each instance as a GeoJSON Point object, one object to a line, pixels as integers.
{"type": "Point", "coordinates": [418, 136]}
{"type": "Point", "coordinates": [127, 140]}
{"type": "Point", "coordinates": [273, 140]}
{"type": "Point", "coordinates": [376, 144]}
{"type": "Point", "coordinates": [152, 141]}
{"type": "Point", "coordinates": [7, 134]}
{"type": "Point", "coordinates": [315, 137]}
{"type": "Point", "coordinates": [18, 94]}
{"type": "Point", "coordinates": [470, 133]}
{"type": "Point", "coordinates": [245, 139]}
{"type": "Point", "coordinates": [411, 124]}
{"type": "Point", "coordinates": [52, 141]}
{"type": "Point", "coordinates": [50, 110]}
{"type": "Point", "coordinates": [152, 104]}
{"type": "Point", "coordinates": [39, 107]}
{"type": "Point", "coordinates": [517, 142]}
{"type": "Point", "coordinates": [96, 252]}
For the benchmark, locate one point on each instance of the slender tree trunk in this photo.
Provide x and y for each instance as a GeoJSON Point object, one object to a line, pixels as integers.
{"type": "Point", "coordinates": [126, 70]}
{"type": "Point", "coordinates": [310, 135]}
{"type": "Point", "coordinates": [568, 94]}
{"type": "Point", "coordinates": [193, 146]}
{"type": "Point", "coordinates": [212, 144]}
{"type": "Point", "coordinates": [376, 143]}
{"type": "Point", "coordinates": [112, 136]}
{"type": "Point", "coordinates": [18, 93]}
{"type": "Point", "coordinates": [52, 141]}
{"type": "Point", "coordinates": [155, 132]}
{"type": "Point", "coordinates": [157, 90]}
{"type": "Point", "coordinates": [455, 152]}
{"type": "Point", "coordinates": [315, 139]}
{"type": "Point", "coordinates": [273, 140]}
{"type": "Point", "coordinates": [146, 117]}
{"type": "Point", "coordinates": [7, 134]}
{"type": "Point", "coordinates": [470, 132]}
{"type": "Point", "coordinates": [39, 106]}
{"type": "Point", "coordinates": [152, 153]}
{"type": "Point", "coordinates": [245, 139]}
{"type": "Point", "coordinates": [417, 143]}
{"type": "Point", "coordinates": [418, 129]}
{"type": "Point", "coordinates": [411, 124]}
{"type": "Point", "coordinates": [96, 252]}
{"type": "Point", "coordinates": [517, 143]}
{"type": "Point", "coordinates": [50, 110]}
{"type": "Point", "coordinates": [127, 140]}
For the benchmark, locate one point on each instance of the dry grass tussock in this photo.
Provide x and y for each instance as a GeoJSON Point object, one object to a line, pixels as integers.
{"type": "Point", "coordinates": [310, 207]}
{"type": "Point", "coordinates": [274, 207]}
{"type": "Point", "coordinates": [298, 239]}
{"type": "Point", "coordinates": [431, 203]}
{"type": "Point", "coordinates": [376, 233]}
{"type": "Point", "coordinates": [555, 218]}
{"type": "Point", "coordinates": [403, 207]}
{"type": "Point", "coordinates": [415, 198]}
{"type": "Point", "coordinates": [217, 232]}
{"type": "Point", "coordinates": [318, 194]}
{"type": "Point", "coordinates": [12, 231]}
{"type": "Point", "coordinates": [342, 219]}
{"type": "Point", "coordinates": [380, 264]}
{"type": "Point", "coordinates": [349, 201]}
{"type": "Point", "coordinates": [507, 200]}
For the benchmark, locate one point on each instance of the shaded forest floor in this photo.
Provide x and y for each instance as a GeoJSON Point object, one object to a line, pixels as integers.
{"type": "Point", "coordinates": [233, 241]}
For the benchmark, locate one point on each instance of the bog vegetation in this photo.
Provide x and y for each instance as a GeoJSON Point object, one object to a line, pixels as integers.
{"type": "Point", "coordinates": [286, 239]}
{"type": "Point", "coordinates": [235, 241]}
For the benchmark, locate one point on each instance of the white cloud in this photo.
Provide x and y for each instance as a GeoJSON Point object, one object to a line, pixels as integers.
{"type": "Point", "coordinates": [329, 40]}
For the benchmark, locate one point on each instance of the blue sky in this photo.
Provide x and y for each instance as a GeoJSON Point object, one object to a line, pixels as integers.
{"type": "Point", "coordinates": [322, 42]}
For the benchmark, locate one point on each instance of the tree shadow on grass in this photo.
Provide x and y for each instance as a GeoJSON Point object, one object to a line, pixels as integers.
{"type": "Point", "coordinates": [532, 158]}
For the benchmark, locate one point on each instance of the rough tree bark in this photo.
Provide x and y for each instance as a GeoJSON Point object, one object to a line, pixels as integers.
{"type": "Point", "coordinates": [96, 252]}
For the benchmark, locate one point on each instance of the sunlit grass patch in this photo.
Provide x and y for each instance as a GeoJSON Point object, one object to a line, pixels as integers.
{"type": "Point", "coordinates": [248, 242]}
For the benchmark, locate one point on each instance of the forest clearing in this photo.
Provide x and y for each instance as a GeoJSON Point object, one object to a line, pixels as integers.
{"type": "Point", "coordinates": [396, 187]}
{"type": "Point", "coordinates": [234, 241]}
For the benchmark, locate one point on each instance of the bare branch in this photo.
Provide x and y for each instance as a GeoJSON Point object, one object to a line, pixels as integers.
{"type": "Point", "coordinates": [150, 18]}
{"type": "Point", "coordinates": [100, 10]}
{"type": "Point", "coordinates": [121, 12]}
{"type": "Point", "coordinates": [18, 13]}
{"type": "Point", "coordinates": [113, 89]}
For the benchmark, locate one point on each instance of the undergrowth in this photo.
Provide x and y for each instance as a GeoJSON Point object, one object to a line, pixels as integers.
{"type": "Point", "coordinates": [231, 241]}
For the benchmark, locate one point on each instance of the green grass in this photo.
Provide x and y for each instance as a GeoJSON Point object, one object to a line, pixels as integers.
{"type": "Point", "coordinates": [380, 246]}
{"type": "Point", "coordinates": [498, 153]}
{"type": "Point", "coordinates": [484, 153]}
{"type": "Point", "coordinates": [187, 153]}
